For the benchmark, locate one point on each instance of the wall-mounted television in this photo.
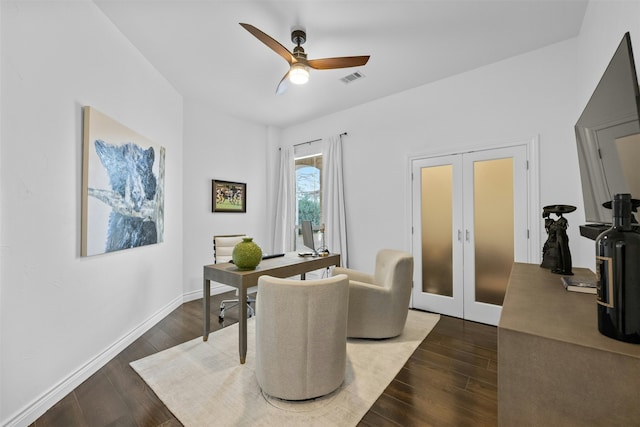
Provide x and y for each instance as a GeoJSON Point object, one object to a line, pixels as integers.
{"type": "Point", "coordinates": [608, 139]}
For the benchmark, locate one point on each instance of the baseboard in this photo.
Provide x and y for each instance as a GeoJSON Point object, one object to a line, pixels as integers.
{"type": "Point", "coordinates": [216, 288]}
{"type": "Point", "coordinates": [219, 288]}
{"type": "Point", "coordinates": [42, 404]}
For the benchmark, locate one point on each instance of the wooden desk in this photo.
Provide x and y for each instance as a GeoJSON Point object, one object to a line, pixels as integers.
{"type": "Point", "coordinates": [289, 265]}
{"type": "Point", "coordinates": [554, 367]}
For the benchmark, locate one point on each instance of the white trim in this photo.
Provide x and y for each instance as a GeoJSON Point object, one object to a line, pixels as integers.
{"type": "Point", "coordinates": [470, 148]}
{"type": "Point", "coordinates": [474, 310]}
{"type": "Point", "coordinates": [216, 288]}
{"type": "Point", "coordinates": [533, 182]}
{"type": "Point", "coordinates": [48, 399]}
{"type": "Point", "coordinates": [532, 144]}
{"type": "Point", "coordinates": [535, 210]}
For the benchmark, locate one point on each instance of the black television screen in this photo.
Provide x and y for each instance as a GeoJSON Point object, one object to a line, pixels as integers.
{"type": "Point", "coordinates": [608, 137]}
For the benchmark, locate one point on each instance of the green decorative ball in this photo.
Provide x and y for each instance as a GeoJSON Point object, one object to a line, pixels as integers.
{"type": "Point", "coordinates": [246, 255]}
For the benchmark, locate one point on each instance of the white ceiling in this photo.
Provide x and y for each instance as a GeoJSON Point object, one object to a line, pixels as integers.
{"type": "Point", "coordinates": [200, 48]}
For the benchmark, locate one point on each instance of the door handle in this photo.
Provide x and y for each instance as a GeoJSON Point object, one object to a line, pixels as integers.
{"type": "Point", "coordinates": [459, 235]}
{"type": "Point", "coordinates": [467, 234]}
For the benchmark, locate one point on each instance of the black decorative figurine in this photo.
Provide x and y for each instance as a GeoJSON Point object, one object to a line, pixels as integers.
{"type": "Point", "coordinates": [555, 252]}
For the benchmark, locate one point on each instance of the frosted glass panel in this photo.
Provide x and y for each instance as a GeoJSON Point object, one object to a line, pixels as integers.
{"type": "Point", "coordinates": [436, 223]}
{"type": "Point", "coordinates": [493, 224]}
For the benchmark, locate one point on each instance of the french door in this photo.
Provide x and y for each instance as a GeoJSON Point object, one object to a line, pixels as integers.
{"type": "Point", "coordinates": [469, 226]}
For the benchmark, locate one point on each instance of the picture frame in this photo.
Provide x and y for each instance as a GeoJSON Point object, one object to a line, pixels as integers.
{"type": "Point", "coordinates": [228, 196]}
{"type": "Point", "coordinates": [123, 176]}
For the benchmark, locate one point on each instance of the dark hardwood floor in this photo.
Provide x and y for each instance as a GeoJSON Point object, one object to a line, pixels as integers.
{"type": "Point", "coordinates": [450, 380]}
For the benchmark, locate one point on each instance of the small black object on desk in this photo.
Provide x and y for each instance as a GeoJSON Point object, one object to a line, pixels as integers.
{"type": "Point", "coordinates": [555, 252]}
{"type": "Point", "coordinates": [307, 254]}
{"type": "Point", "coordinates": [314, 254]}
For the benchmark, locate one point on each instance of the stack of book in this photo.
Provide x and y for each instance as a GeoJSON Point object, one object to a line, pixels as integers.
{"type": "Point", "coordinates": [579, 284]}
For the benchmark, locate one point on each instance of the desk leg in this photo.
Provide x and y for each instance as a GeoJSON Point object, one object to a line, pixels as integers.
{"type": "Point", "coordinates": [206, 315]}
{"type": "Point", "coordinates": [243, 323]}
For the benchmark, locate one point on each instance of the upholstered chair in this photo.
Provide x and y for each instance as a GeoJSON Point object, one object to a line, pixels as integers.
{"type": "Point", "coordinates": [379, 303]}
{"type": "Point", "coordinates": [301, 336]}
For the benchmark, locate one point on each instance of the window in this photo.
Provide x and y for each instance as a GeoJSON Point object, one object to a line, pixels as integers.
{"type": "Point", "coordinates": [308, 192]}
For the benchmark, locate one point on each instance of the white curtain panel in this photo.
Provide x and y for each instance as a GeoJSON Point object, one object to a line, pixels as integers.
{"type": "Point", "coordinates": [333, 203]}
{"type": "Point", "coordinates": [285, 219]}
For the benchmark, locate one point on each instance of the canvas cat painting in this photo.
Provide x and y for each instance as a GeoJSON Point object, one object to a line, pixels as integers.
{"type": "Point", "coordinates": [123, 187]}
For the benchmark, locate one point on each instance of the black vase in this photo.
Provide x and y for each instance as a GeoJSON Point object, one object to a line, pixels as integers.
{"type": "Point", "coordinates": [618, 271]}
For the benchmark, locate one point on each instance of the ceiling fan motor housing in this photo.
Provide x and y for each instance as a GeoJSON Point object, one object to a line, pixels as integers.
{"type": "Point", "coordinates": [298, 37]}
{"type": "Point", "coordinates": [299, 53]}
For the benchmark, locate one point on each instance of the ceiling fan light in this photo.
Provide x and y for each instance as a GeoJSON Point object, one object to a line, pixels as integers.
{"type": "Point", "coordinates": [299, 74]}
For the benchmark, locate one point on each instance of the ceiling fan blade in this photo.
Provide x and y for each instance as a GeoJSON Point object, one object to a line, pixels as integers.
{"type": "Point", "coordinates": [270, 41]}
{"type": "Point", "coordinates": [342, 62]}
{"type": "Point", "coordinates": [283, 85]}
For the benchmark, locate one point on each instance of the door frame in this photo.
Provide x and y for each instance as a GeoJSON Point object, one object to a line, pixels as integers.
{"type": "Point", "coordinates": [533, 186]}
{"type": "Point", "coordinates": [475, 310]}
{"type": "Point", "coordinates": [450, 305]}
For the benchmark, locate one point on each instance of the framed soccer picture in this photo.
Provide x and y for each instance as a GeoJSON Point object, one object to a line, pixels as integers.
{"type": "Point", "coordinates": [228, 196]}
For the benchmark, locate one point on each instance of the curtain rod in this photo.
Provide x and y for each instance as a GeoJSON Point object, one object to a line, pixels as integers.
{"type": "Point", "coordinates": [315, 140]}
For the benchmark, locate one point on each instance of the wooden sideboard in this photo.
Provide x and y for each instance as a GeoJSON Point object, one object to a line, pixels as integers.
{"type": "Point", "coordinates": [554, 367]}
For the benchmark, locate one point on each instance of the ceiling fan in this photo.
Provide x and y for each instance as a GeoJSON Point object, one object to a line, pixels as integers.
{"type": "Point", "coordinates": [298, 63]}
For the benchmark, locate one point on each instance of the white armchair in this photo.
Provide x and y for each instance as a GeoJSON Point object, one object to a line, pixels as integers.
{"type": "Point", "coordinates": [301, 336]}
{"type": "Point", "coordinates": [379, 303]}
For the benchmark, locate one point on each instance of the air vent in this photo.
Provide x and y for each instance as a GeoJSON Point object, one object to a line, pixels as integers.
{"type": "Point", "coordinates": [352, 77]}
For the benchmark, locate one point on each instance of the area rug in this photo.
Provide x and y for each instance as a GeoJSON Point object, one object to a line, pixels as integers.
{"type": "Point", "coordinates": [204, 384]}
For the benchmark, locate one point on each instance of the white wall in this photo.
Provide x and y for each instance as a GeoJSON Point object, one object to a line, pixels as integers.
{"type": "Point", "coordinates": [529, 96]}
{"type": "Point", "coordinates": [218, 146]}
{"type": "Point", "coordinates": [539, 94]}
{"type": "Point", "coordinates": [63, 316]}
{"type": "Point", "coordinates": [1, 238]}
{"type": "Point", "coordinates": [604, 24]}
{"type": "Point", "coordinates": [602, 29]}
